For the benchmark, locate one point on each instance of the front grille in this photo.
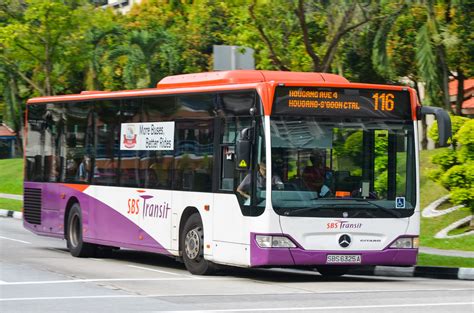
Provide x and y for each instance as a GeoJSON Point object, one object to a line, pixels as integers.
{"type": "Point", "coordinates": [32, 205]}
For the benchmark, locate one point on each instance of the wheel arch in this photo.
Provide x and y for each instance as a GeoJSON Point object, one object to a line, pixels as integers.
{"type": "Point", "coordinates": [188, 211]}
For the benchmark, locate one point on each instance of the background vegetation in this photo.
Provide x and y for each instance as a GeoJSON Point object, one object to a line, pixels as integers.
{"type": "Point", "coordinates": [455, 170]}
{"type": "Point", "coordinates": [50, 47]}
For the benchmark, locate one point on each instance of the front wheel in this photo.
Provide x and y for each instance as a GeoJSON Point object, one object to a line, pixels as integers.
{"type": "Point", "coordinates": [76, 246]}
{"type": "Point", "coordinates": [192, 247]}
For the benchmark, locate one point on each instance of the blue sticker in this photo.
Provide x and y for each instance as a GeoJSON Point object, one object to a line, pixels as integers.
{"type": "Point", "coordinates": [400, 202]}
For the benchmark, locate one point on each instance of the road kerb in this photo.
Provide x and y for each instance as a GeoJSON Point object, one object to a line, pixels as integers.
{"type": "Point", "coordinates": [10, 213]}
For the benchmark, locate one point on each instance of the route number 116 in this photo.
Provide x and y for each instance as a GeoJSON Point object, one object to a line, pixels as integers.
{"type": "Point", "coordinates": [383, 101]}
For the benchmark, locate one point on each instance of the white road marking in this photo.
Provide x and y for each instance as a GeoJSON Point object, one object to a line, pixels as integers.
{"type": "Point", "coordinates": [95, 259]}
{"type": "Point", "coordinates": [75, 281]}
{"type": "Point", "coordinates": [71, 298]}
{"type": "Point", "coordinates": [6, 238]}
{"type": "Point", "coordinates": [160, 271]}
{"type": "Point", "coordinates": [319, 308]}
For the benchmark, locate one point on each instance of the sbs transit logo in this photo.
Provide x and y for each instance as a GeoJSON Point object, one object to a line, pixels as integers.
{"type": "Point", "coordinates": [130, 137]}
{"type": "Point", "coordinates": [340, 224]}
{"type": "Point", "coordinates": [146, 207]}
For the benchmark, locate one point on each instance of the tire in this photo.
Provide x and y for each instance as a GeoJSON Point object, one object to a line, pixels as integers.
{"type": "Point", "coordinates": [76, 246]}
{"type": "Point", "coordinates": [192, 247]}
{"type": "Point", "coordinates": [332, 270]}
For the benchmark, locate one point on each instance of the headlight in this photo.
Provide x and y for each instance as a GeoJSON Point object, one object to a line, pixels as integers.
{"type": "Point", "coordinates": [406, 243]}
{"type": "Point", "coordinates": [266, 241]}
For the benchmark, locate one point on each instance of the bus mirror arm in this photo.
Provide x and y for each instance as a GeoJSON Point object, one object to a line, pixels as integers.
{"type": "Point", "coordinates": [444, 123]}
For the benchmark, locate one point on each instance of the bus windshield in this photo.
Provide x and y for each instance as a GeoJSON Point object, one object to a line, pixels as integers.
{"type": "Point", "coordinates": [343, 167]}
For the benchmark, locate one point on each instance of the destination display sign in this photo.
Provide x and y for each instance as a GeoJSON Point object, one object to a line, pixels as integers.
{"type": "Point", "coordinates": [342, 102]}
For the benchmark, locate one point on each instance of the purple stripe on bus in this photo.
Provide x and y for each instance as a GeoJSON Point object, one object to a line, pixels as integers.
{"type": "Point", "coordinates": [101, 223]}
{"type": "Point", "coordinates": [299, 256]}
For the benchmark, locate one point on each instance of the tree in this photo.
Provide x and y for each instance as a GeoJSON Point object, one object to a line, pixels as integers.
{"type": "Point", "coordinates": [45, 44]}
{"type": "Point", "coordinates": [142, 52]}
{"type": "Point", "coordinates": [105, 33]}
{"type": "Point", "coordinates": [192, 28]}
{"type": "Point", "coordinates": [301, 35]}
{"type": "Point", "coordinates": [438, 36]}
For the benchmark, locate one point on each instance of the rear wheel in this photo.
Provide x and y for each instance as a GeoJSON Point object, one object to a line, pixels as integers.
{"type": "Point", "coordinates": [332, 270]}
{"type": "Point", "coordinates": [77, 247]}
{"type": "Point", "coordinates": [192, 247]}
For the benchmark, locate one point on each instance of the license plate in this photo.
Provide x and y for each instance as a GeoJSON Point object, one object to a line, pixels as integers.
{"type": "Point", "coordinates": [344, 258]}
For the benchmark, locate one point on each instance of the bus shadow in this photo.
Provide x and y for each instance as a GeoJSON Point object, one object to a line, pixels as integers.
{"type": "Point", "coordinates": [282, 275]}
{"type": "Point", "coordinates": [276, 275]}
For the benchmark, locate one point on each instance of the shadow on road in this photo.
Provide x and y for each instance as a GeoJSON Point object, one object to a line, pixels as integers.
{"type": "Point", "coordinates": [277, 275]}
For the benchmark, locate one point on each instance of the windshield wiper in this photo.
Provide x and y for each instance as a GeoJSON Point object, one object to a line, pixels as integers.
{"type": "Point", "coordinates": [304, 210]}
{"type": "Point", "coordinates": [389, 211]}
{"type": "Point", "coordinates": [336, 205]}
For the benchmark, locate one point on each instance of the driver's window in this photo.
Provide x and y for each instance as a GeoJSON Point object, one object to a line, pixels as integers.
{"type": "Point", "coordinates": [238, 111]}
{"type": "Point", "coordinates": [251, 187]}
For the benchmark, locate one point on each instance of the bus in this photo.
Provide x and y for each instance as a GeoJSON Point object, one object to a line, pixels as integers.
{"type": "Point", "coordinates": [241, 168]}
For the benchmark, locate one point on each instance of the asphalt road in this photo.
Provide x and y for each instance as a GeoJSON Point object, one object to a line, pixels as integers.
{"type": "Point", "coordinates": [38, 275]}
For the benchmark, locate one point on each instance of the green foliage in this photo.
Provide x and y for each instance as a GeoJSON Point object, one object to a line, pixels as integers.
{"type": "Point", "coordinates": [353, 146]}
{"type": "Point", "coordinates": [445, 158]}
{"type": "Point", "coordinates": [463, 196]}
{"type": "Point", "coordinates": [427, 63]}
{"type": "Point", "coordinates": [47, 44]}
{"type": "Point", "coordinates": [459, 176]}
{"type": "Point", "coordinates": [465, 138]}
{"type": "Point", "coordinates": [456, 124]}
{"type": "Point", "coordinates": [457, 165]}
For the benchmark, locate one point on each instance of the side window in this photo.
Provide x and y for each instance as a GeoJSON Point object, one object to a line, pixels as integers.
{"type": "Point", "coordinates": [130, 170]}
{"type": "Point", "coordinates": [107, 130]}
{"type": "Point", "coordinates": [238, 111]}
{"type": "Point", "coordinates": [194, 143]}
{"type": "Point", "coordinates": [157, 165]}
{"type": "Point", "coordinates": [37, 125]}
{"type": "Point", "coordinates": [231, 127]}
{"type": "Point", "coordinates": [234, 116]}
{"type": "Point", "coordinates": [79, 136]}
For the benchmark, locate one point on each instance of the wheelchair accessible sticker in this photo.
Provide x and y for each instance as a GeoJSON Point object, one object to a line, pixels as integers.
{"type": "Point", "coordinates": [400, 202]}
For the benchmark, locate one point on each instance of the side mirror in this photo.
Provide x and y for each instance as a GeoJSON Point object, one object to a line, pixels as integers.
{"type": "Point", "coordinates": [444, 123]}
{"type": "Point", "coordinates": [244, 149]}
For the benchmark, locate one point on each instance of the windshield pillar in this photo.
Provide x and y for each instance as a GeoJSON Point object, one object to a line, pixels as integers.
{"type": "Point", "coordinates": [368, 158]}
{"type": "Point", "coordinates": [392, 167]}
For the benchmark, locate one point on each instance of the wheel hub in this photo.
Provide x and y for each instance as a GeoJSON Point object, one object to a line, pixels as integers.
{"type": "Point", "coordinates": [192, 243]}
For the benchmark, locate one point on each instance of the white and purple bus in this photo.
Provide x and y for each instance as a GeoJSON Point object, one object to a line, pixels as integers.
{"type": "Point", "coordinates": [240, 168]}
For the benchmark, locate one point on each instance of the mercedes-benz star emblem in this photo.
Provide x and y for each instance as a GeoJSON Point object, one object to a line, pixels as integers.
{"type": "Point", "coordinates": [345, 241]}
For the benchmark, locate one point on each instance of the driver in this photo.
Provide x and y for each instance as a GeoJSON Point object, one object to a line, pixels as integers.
{"type": "Point", "coordinates": [314, 176]}
{"type": "Point", "coordinates": [244, 187]}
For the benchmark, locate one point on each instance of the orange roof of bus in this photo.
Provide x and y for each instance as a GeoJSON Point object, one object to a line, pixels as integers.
{"type": "Point", "coordinates": [191, 82]}
{"type": "Point", "coordinates": [245, 77]}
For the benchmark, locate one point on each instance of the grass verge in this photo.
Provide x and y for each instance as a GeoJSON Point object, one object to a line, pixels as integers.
{"type": "Point", "coordinates": [9, 204]}
{"type": "Point", "coordinates": [447, 261]}
{"type": "Point", "coordinates": [11, 176]}
{"type": "Point", "coordinates": [430, 191]}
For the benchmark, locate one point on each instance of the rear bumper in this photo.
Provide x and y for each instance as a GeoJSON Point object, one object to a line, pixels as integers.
{"type": "Point", "coordinates": [301, 257]}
